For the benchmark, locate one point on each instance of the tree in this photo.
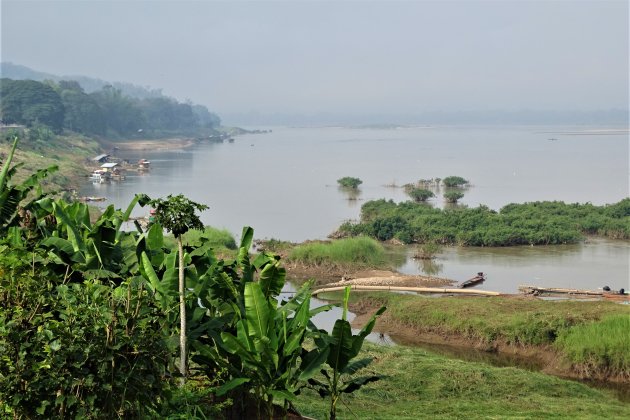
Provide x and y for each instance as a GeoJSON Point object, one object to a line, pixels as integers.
{"type": "Point", "coordinates": [420, 194]}
{"type": "Point", "coordinates": [454, 181]}
{"type": "Point", "coordinates": [349, 182]}
{"type": "Point", "coordinates": [29, 102]}
{"type": "Point", "coordinates": [82, 114]}
{"type": "Point", "coordinates": [178, 215]}
{"type": "Point", "coordinates": [453, 196]}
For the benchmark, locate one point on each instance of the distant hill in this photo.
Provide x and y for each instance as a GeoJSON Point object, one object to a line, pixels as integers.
{"type": "Point", "coordinates": [89, 84]}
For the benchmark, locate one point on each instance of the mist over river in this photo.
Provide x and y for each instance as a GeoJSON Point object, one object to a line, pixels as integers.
{"type": "Point", "coordinates": [283, 184]}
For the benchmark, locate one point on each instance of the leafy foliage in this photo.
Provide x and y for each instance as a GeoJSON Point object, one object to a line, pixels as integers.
{"type": "Point", "coordinates": [29, 102]}
{"type": "Point", "coordinates": [453, 196]}
{"type": "Point", "coordinates": [349, 182]}
{"type": "Point", "coordinates": [343, 347]}
{"type": "Point", "coordinates": [454, 181]}
{"type": "Point", "coordinates": [537, 223]}
{"type": "Point", "coordinates": [177, 214]}
{"type": "Point", "coordinates": [419, 194]}
{"type": "Point", "coordinates": [105, 111]}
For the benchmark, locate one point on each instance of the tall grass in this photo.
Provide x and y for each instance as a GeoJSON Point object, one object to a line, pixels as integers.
{"type": "Point", "coordinates": [361, 251]}
{"type": "Point", "coordinates": [604, 343]}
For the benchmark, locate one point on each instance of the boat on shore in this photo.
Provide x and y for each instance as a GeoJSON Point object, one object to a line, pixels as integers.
{"type": "Point", "coordinates": [474, 281]}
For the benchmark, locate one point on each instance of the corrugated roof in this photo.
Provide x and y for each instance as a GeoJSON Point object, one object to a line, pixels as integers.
{"type": "Point", "coordinates": [108, 165]}
{"type": "Point", "coordinates": [99, 157]}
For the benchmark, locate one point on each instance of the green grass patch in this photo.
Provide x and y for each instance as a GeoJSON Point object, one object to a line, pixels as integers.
{"type": "Point", "coordinates": [359, 251]}
{"type": "Point", "coordinates": [602, 344]}
{"type": "Point", "coordinates": [420, 384]}
{"type": "Point", "coordinates": [595, 334]}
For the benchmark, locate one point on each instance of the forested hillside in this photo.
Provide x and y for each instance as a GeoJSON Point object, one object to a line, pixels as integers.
{"type": "Point", "coordinates": [107, 112]}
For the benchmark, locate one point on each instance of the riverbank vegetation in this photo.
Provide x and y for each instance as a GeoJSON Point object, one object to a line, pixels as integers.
{"type": "Point", "coordinates": [591, 337]}
{"type": "Point", "coordinates": [420, 384]}
{"type": "Point", "coordinates": [360, 252]}
{"type": "Point", "coordinates": [536, 223]}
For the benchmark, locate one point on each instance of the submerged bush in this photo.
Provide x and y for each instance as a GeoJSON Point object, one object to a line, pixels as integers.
{"type": "Point", "coordinates": [349, 182]}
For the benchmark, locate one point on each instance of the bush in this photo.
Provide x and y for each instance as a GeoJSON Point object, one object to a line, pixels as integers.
{"type": "Point", "coordinates": [419, 194]}
{"type": "Point", "coordinates": [349, 182]}
{"type": "Point", "coordinates": [453, 196]}
{"type": "Point", "coordinates": [454, 181]}
{"type": "Point", "coordinates": [77, 350]}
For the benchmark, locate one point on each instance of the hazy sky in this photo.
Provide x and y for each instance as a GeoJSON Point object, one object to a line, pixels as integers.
{"type": "Point", "coordinates": [337, 57]}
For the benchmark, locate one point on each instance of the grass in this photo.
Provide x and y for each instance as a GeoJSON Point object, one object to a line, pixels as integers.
{"type": "Point", "coordinates": [594, 334]}
{"type": "Point", "coordinates": [359, 251]}
{"type": "Point", "coordinates": [604, 343]}
{"type": "Point", "coordinates": [420, 384]}
{"type": "Point", "coordinates": [67, 152]}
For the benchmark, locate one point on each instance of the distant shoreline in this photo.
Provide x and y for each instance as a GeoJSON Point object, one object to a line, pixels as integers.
{"type": "Point", "coordinates": [156, 144]}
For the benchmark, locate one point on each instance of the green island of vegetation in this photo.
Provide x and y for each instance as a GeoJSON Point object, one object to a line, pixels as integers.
{"type": "Point", "coordinates": [536, 223]}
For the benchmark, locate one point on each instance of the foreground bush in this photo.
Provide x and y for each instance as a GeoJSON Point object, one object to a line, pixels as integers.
{"type": "Point", "coordinates": [78, 349]}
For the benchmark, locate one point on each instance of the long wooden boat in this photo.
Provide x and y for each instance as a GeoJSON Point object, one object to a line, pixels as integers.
{"type": "Point", "coordinates": [478, 279]}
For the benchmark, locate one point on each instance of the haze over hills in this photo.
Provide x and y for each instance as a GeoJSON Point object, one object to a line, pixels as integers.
{"type": "Point", "coordinates": [89, 84]}
{"type": "Point", "coordinates": [603, 117]}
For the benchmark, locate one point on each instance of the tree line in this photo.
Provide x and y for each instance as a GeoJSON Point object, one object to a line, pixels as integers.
{"type": "Point", "coordinates": [105, 112]}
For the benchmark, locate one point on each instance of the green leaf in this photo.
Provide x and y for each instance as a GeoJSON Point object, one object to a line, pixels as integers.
{"type": "Point", "coordinates": [312, 361]}
{"type": "Point", "coordinates": [228, 386]}
{"type": "Point", "coordinates": [357, 365]}
{"type": "Point", "coordinates": [257, 311]}
{"type": "Point", "coordinates": [149, 274]}
{"type": "Point", "coordinates": [357, 383]}
{"type": "Point", "coordinates": [272, 278]}
{"type": "Point", "coordinates": [341, 345]}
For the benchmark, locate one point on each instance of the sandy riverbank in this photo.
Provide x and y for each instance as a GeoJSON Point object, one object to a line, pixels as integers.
{"type": "Point", "coordinates": [158, 144]}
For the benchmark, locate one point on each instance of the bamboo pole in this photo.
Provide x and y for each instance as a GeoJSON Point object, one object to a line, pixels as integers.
{"type": "Point", "coordinates": [534, 289]}
{"type": "Point", "coordinates": [407, 289]}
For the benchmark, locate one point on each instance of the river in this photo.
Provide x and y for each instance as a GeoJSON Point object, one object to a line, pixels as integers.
{"type": "Point", "coordinates": [283, 184]}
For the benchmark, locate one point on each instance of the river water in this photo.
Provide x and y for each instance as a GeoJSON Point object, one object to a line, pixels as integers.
{"type": "Point", "coordinates": [283, 184]}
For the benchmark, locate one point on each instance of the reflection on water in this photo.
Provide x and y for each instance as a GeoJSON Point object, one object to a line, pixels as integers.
{"type": "Point", "coordinates": [326, 320]}
{"type": "Point", "coordinates": [591, 265]}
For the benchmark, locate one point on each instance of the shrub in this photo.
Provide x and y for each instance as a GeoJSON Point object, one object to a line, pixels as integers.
{"type": "Point", "coordinates": [420, 194]}
{"type": "Point", "coordinates": [349, 182]}
{"type": "Point", "coordinates": [453, 196]}
{"type": "Point", "coordinates": [454, 181]}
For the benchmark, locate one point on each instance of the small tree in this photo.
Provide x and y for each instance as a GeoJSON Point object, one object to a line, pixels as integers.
{"type": "Point", "coordinates": [453, 196]}
{"type": "Point", "coordinates": [454, 181]}
{"type": "Point", "coordinates": [349, 182]}
{"type": "Point", "coordinates": [178, 215]}
{"type": "Point", "coordinates": [420, 194]}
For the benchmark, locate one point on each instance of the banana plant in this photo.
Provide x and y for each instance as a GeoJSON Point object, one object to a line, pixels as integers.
{"type": "Point", "coordinates": [95, 250]}
{"type": "Point", "coordinates": [343, 348]}
{"type": "Point", "coordinates": [271, 359]}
